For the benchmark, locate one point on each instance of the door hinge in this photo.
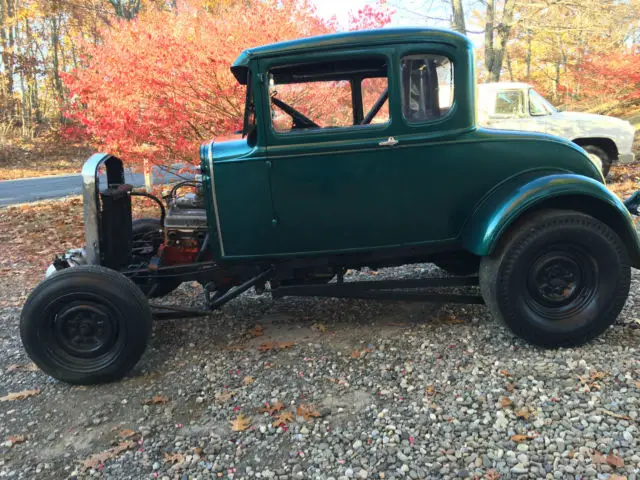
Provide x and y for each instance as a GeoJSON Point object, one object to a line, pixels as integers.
{"type": "Point", "coordinates": [268, 163]}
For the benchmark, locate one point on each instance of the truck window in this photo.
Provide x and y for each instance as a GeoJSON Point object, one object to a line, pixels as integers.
{"type": "Point", "coordinates": [427, 87]}
{"type": "Point", "coordinates": [509, 102]}
{"type": "Point", "coordinates": [538, 105]}
{"type": "Point", "coordinates": [329, 95]}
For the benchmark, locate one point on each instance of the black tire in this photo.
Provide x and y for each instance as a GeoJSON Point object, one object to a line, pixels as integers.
{"type": "Point", "coordinates": [86, 325]}
{"type": "Point", "coordinates": [602, 155]}
{"type": "Point", "coordinates": [147, 238]}
{"type": "Point", "coordinates": [557, 279]}
{"type": "Point", "coordinates": [458, 263]}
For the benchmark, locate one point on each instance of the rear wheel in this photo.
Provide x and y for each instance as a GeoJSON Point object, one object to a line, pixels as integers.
{"type": "Point", "coordinates": [86, 325]}
{"type": "Point", "coordinates": [557, 279]}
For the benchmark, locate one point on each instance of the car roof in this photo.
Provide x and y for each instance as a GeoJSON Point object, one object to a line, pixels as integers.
{"type": "Point", "coordinates": [381, 36]}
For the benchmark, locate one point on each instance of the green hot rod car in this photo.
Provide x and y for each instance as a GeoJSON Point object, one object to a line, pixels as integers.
{"type": "Point", "coordinates": [359, 149]}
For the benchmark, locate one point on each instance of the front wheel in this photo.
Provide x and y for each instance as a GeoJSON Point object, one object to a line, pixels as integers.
{"type": "Point", "coordinates": [557, 279]}
{"type": "Point", "coordinates": [601, 157]}
{"type": "Point", "coordinates": [86, 325]}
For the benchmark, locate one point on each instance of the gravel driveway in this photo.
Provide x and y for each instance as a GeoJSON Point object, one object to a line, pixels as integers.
{"type": "Point", "coordinates": [367, 390]}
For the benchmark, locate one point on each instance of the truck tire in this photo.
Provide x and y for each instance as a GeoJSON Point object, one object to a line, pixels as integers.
{"type": "Point", "coordinates": [558, 278]}
{"type": "Point", "coordinates": [602, 156]}
{"type": "Point", "coordinates": [147, 233]}
{"type": "Point", "coordinates": [86, 325]}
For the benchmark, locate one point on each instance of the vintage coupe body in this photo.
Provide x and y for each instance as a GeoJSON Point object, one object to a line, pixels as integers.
{"type": "Point", "coordinates": [358, 150]}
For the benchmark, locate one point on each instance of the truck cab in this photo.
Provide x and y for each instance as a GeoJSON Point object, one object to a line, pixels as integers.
{"type": "Point", "coordinates": [518, 106]}
{"type": "Point", "coordinates": [358, 149]}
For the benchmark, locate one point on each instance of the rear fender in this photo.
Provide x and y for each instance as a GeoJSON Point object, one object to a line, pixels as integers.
{"type": "Point", "coordinates": [539, 190]}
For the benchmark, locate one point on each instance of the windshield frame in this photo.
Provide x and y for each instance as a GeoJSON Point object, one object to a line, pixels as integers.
{"type": "Point", "coordinates": [249, 124]}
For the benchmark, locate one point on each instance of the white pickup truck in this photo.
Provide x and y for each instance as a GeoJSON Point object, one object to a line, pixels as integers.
{"type": "Point", "coordinates": [517, 106]}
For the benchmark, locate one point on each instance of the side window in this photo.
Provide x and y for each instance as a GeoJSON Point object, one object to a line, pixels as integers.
{"type": "Point", "coordinates": [427, 87]}
{"type": "Point", "coordinates": [509, 102]}
{"type": "Point", "coordinates": [329, 95]}
{"type": "Point", "coordinates": [374, 90]}
{"type": "Point", "coordinates": [325, 104]}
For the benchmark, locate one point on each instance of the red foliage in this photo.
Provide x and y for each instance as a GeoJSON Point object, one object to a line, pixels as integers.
{"type": "Point", "coordinates": [158, 86]}
{"type": "Point", "coordinates": [606, 76]}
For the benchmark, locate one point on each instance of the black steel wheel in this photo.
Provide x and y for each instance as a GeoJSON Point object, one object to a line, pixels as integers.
{"type": "Point", "coordinates": [86, 325]}
{"type": "Point", "coordinates": [147, 238]}
{"type": "Point", "coordinates": [557, 279]}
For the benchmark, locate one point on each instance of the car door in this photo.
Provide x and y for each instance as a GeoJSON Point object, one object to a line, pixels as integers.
{"type": "Point", "coordinates": [345, 188]}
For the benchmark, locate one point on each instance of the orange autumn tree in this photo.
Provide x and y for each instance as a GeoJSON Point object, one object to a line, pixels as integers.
{"type": "Point", "coordinates": [155, 87]}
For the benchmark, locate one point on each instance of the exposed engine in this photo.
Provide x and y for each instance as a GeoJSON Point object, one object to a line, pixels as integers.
{"type": "Point", "coordinates": [185, 226]}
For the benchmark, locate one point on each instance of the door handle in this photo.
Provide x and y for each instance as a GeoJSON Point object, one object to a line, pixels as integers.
{"type": "Point", "coordinates": [389, 142]}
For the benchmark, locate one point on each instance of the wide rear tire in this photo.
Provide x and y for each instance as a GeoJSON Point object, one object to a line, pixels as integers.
{"type": "Point", "coordinates": [86, 325]}
{"type": "Point", "coordinates": [557, 278]}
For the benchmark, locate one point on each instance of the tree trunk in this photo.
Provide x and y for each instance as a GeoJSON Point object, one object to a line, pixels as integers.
{"type": "Point", "coordinates": [7, 12]}
{"type": "Point", "coordinates": [55, 60]}
{"type": "Point", "coordinates": [528, 58]}
{"type": "Point", "coordinates": [457, 22]}
{"type": "Point", "coordinates": [496, 37]}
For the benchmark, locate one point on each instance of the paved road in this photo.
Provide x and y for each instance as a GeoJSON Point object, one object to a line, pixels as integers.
{"type": "Point", "coordinates": [43, 188]}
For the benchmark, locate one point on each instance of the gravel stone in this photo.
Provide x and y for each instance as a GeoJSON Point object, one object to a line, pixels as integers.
{"type": "Point", "coordinates": [423, 402]}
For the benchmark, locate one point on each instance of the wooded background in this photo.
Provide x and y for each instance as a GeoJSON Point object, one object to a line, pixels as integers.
{"type": "Point", "coordinates": [151, 77]}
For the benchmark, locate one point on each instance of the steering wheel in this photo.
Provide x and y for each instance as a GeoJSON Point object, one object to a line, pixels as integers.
{"type": "Point", "coordinates": [298, 118]}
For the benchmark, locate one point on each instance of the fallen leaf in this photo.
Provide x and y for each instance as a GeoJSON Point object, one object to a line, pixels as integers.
{"type": "Point", "coordinates": [265, 347]}
{"type": "Point", "coordinates": [320, 327]}
{"type": "Point", "coordinates": [617, 477]}
{"type": "Point", "coordinates": [598, 375]}
{"type": "Point", "coordinates": [522, 438]}
{"type": "Point", "coordinates": [510, 387]}
{"type": "Point", "coordinates": [505, 402]}
{"type": "Point", "coordinates": [257, 331]}
{"type": "Point", "coordinates": [15, 439]}
{"type": "Point", "coordinates": [97, 459]}
{"type": "Point", "coordinates": [155, 400]}
{"type": "Point", "coordinates": [19, 395]}
{"type": "Point", "coordinates": [491, 475]}
{"type": "Point", "coordinates": [307, 412]}
{"type": "Point", "coordinates": [26, 367]}
{"type": "Point", "coordinates": [597, 458]}
{"type": "Point", "coordinates": [431, 390]}
{"type": "Point", "coordinates": [523, 413]}
{"type": "Point", "coordinates": [505, 373]}
{"type": "Point", "coordinates": [615, 415]}
{"type": "Point", "coordinates": [355, 354]}
{"type": "Point", "coordinates": [173, 458]}
{"type": "Point", "coordinates": [614, 461]}
{"type": "Point", "coordinates": [271, 409]}
{"type": "Point", "coordinates": [248, 380]}
{"type": "Point", "coordinates": [240, 423]}
{"type": "Point", "coordinates": [451, 319]}
{"type": "Point", "coordinates": [283, 417]}
{"type": "Point", "coordinates": [126, 433]}
{"type": "Point", "coordinates": [637, 384]}
{"type": "Point", "coordinates": [224, 396]}
{"type": "Point", "coordinates": [234, 348]}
